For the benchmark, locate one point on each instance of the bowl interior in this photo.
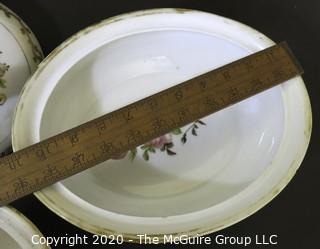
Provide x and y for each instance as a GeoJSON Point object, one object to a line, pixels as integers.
{"type": "Point", "coordinates": [234, 147]}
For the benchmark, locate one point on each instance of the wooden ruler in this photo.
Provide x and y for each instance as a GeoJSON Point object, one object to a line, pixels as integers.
{"type": "Point", "coordinates": [89, 144]}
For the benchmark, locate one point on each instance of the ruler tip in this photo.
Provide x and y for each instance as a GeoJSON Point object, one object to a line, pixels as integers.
{"type": "Point", "coordinates": [294, 59]}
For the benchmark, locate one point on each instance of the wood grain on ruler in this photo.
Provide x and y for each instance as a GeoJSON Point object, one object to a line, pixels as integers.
{"type": "Point", "coordinates": [89, 144]}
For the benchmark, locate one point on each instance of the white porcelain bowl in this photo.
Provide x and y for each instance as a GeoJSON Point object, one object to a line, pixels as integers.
{"type": "Point", "coordinates": [19, 55]}
{"type": "Point", "coordinates": [239, 161]}
{"type": "Point", "coordinates": [16, 231]}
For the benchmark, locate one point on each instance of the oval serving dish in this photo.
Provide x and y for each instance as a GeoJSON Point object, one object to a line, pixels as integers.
{"type": "Point", "coordinates": [19, 55]}
{"type": "Point", "coordinates": [16, 231]}
{"type": "Point", "coordinates": [240, 159]}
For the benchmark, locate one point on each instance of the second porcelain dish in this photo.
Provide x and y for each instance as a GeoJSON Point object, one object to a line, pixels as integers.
{"type": "Point", "coordinates": [16, 231]}
{"type": "Point", "coordinates": [20, 54]}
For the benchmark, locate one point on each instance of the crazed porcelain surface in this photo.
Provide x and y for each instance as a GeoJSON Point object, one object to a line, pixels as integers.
{"type": "Point", "coordinates": [19, 55]}
{"type": "Point", "coordinates": [243, 157]}
{"type": "Point", "coordinates": [16, 230]}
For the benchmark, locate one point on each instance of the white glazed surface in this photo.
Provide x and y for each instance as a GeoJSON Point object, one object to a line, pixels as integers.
{"type": "Point", "coordinates": [16, 231]}
{"type": "Point", "coordinates": [243, 157]}
{"type": "Point", "coordinates": [21, 51]}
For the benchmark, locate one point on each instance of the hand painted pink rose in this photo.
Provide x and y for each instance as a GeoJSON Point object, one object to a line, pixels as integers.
{"type": "Point", "coordinates": [156, 143]}
{"type": "Point", "coordinates": [160, 141]}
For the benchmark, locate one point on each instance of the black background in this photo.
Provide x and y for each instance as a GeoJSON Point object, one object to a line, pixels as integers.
{"type": "Point", "coordinates": [294, 215]}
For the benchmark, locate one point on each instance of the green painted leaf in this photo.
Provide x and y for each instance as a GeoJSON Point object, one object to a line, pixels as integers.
{"type": "Point", "coordinates": [2, 83]}
{"type": "Point", "coordinates": [171, 153]}
{"type": "Point", "coordinates": [145, 155]}
{"type": "Point", "coordinates": [169, 145]}
{"type": "Point", "coordinates": [133, 154]}
{"type": "Point", "coordinates": [184, 138]}
{"type": "Point", "coordinates": [194, 132]}
{"type": "Point", "coordinates": [144, 147]}
{"type": "Point", "coordinates": [152, 150]}
{"type": "Point", "coordinates": [176, 131]}
{"type": "Point", "coordinates": [201, 122]}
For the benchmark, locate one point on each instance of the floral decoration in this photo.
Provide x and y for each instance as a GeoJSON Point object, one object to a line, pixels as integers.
{"type": "Point", "coordinates": [163, 143]}
{"type": "Point", "coordinates": [3, 69]}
